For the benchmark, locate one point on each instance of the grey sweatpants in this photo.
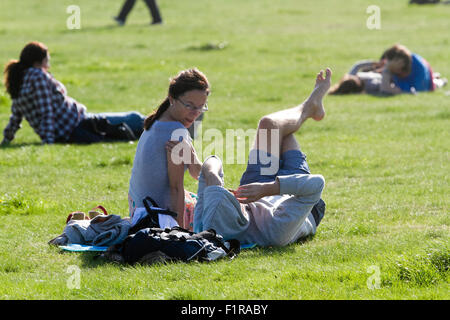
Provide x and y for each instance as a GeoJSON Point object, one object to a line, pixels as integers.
{"type": "Point", "coordinates": [270, 221]}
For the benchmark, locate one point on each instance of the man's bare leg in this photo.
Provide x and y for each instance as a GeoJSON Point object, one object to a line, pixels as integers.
{"type": "Point", "coordinates": [211, 170]}
{"type": "Point", "coordinates": [289, 121]}
{"type": "Point", "coordinates": [289, 143]}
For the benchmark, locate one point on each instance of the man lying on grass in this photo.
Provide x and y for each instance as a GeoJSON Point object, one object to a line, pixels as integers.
{"type": "Point", "coordinates": [278, 201]}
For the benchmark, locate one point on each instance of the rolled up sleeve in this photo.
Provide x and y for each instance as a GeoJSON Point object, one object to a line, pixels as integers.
{"type": "Point", "coordinates": [301, 184]}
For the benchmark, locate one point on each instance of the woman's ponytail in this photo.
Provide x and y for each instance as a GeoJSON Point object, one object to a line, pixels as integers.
{"type": "Point", "coordinates": [151, 118]}
{"type": "Point", "coordinates": [15, 70]}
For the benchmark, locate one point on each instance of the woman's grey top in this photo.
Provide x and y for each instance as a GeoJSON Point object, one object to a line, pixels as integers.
{"type": "Point", "coordinates": [149, 176]}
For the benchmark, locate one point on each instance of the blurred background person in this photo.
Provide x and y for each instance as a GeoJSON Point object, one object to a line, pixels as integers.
{"type": "Point", "coordinates": [398, 71]}
{"type": "Point", "coordinates": [129, 4]}
{"type": "Point", "coordinates": [363, 77]}
{"type": "Point", "coordinates": [43, 101]}
{"type": "Point", "coordinates": [405, 72]}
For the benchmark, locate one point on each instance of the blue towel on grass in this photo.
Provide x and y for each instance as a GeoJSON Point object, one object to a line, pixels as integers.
{"type": "Point", "coordinates": [82, 247]}
{"type": "Point", "coordinates": [74, 247]}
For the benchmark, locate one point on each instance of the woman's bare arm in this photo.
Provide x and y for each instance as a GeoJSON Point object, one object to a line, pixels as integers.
{"type": "Point", "coordinates": [176, 184]}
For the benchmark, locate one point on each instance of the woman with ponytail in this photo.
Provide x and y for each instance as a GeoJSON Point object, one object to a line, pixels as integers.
{"type": "Point", "coordinates": [43, 101]}
{"type": "Point", "coordinates": [161, 160]}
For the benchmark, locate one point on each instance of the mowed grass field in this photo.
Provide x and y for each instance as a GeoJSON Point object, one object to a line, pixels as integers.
{"type": "Point", "coordinates": [385, 234]}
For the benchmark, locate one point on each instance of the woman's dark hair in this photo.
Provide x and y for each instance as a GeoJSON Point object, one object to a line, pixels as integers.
{"type": "Point", "coordinates": [348, 84]}
{"type": "Point", "coordinates": [186, 80]}
{"type": "Point", "coordinates": [14, 70]}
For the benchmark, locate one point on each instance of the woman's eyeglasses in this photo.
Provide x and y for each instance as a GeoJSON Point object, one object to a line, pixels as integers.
{"type": "Point", "coordinates": [192, 108]}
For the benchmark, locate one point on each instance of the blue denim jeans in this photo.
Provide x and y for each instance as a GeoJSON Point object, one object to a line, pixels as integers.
{"type": "Point", "coordinates": [83, 134]}
{"type": "Point", "coordinates": [291, 162]}
{"type": "Point", "coordinates": [133, 119]}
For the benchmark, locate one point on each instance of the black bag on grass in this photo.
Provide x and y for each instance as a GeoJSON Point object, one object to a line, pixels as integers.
{"type": "Point", "coordinates": [151, 245]}
{"type": "Point", "coordinates": [151, 220]}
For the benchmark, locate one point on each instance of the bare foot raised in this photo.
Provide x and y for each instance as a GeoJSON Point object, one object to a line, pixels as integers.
{"type": "Point", "coordinates": [313, 106]}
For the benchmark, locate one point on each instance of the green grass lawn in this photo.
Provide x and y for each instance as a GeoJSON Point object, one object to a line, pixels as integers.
{"type": "Point", "coordinates": [385, 160]}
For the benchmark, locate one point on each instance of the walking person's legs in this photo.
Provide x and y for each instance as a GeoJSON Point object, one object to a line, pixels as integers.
{"type": "Point", "coordinates": [154, 11]}
{"type": "Point", "coordinates": [126, 8]}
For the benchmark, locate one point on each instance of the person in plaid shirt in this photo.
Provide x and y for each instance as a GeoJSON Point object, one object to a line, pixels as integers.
{"type": "Point", "coordinates": [43, 101]}
{"type": "Point", "coordinates": [44, 104]}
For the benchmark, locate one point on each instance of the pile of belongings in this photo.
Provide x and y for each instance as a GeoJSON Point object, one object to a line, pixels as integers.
{"type": "Point", "coordinates": [97, 229]}
{"type": "Point", "coordinates": [151, 235]}
{"type": "Point", "coordinates": [152, 245]}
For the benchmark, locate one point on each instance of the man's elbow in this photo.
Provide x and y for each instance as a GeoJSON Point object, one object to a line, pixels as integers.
{"type": "Point", "coordinates": [317, 183]}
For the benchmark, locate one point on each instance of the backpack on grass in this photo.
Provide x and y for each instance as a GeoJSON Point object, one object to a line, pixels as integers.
{"type": "Point", "coordinates": [151, 245]}
{"type": "Point", "coordinates": [151, 218]}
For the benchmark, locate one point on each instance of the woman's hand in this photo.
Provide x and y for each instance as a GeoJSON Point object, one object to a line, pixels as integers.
{"type": "Point", "coordinates": [185, 153]}
{"type": "Point", "coordinates": [181, 151]}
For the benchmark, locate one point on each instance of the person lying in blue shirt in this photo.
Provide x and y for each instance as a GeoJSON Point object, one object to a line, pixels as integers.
{"type": "Point", "coordinates": [406, 72]}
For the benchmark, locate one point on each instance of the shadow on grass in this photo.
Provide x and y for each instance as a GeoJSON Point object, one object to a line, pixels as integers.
{"type": "Point", "coordinates": [87, 144]}
{"type": "Point", "coordinates": [19, 145]}
{"type": "Point", "coordinates": [375, 95]}
{"type": "Point", "coordinates": [38, 144]}
{"type": "Point", "coordinates": [108, 27]}
{"type": "Point", "coordinates": [91, 28]}
{"type": "Point", "coordinates": [92, 260]}
{"type": "Point", "coordinates": [274, 251]}
{"type": "Point", "coordinates": [209, 46]}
